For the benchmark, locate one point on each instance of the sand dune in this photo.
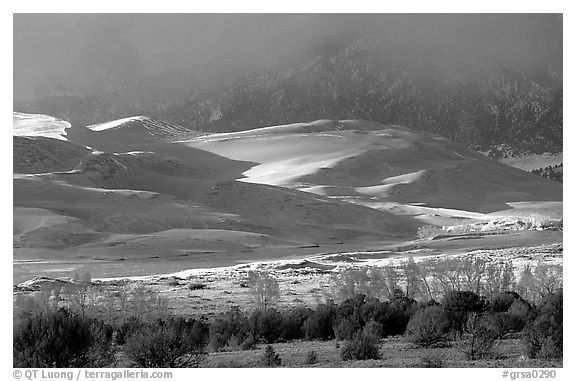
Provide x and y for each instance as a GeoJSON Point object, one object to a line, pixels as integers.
{"type": "Point", "coordinates": [39, 125]}
{"type": "Point", "coordinates": [140, 191]}
{"type": "Point", "coordinates": [132, 202]}
{"type": "Point", "coordinates": [39, 154]}
{"type": "Point", "coordinates": [122, 134]}
{"type": "Point", "coordinates": [366, 160]}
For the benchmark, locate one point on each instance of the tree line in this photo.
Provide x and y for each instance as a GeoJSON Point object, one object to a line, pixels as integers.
{"type": "Point", "coordinates": [550, 172]}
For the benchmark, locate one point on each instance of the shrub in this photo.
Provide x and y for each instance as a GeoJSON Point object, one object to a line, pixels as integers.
{"type": "Point", "coordinates": [249, 343]}
{"type": "Point", "coordinates": [374, 309]}
{"type": "Point", "coordinates": [501, 322]}
{"type": "Point", "coordinates": [543, 335]}
{"type": "Point", "coordinates": [479, 338]}
{"type": "Point", "coordinates": [458, 305]}
{"type": "Point", "coordinates": [232, 344]}
{"type": "Point", "coordinates": [102, 352]}
{"type": "Point", "coordinates": [502, 301]}
{"type": "Point", "coordinates": [61, 339]}
{"type": "Point", "coordinates": [223, 327]}
{"type": "Point", "coordinates": [196, 286]}
{"type": "Point", "coordinates": [293, 322]}
{"type": "Point", "coordinates": [350, 309]}
{"type": "Point", "coordinates": [344, 330]}
{"type": "Point", "coordinates": [175, 343]}
{"type": "Point", "coordinates": [373, 328]}
{"type": "Point", "coordinates": [319, 324]}
{"type": "Point", "coordinates": [520, 313]}
{"type": "Point", "coordinates": [127, 328]}
{"type": "Point", "coordinates": [429, 326]}
{"type": "Point", "coordinates": [311, 357]}
{"type": "Point", "coordinates": [270, 358]}
{"type": "Point", "coordinates": [400, 310]}
{"type": "Point", "coordinates": [361, 347]}
{"type": "Point", "coordinates": [266, 325]}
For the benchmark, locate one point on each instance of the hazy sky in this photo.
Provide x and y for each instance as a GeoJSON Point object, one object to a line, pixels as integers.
{"type": "Point", "coordinates": [90, 52]}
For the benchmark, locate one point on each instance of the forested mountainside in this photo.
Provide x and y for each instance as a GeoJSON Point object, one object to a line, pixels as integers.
{"type": "Point", "coordinates": [460, 82]}
{"type": "Point", "coordinates": [479, 106]}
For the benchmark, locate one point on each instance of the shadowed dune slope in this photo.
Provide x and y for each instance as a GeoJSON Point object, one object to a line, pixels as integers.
{"type": "Point", "coordinates": [139, 188]}
{"type": "Point", "coordinates": [37, 154]}
{"type": "Point", "coordinates": [154, 195]}
{"type": "Point", "coordinates": [130, 132]}
{"type": "Point", "coordinates": [366, 160]}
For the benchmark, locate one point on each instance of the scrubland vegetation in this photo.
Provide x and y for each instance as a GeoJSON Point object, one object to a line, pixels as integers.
{"type": "Point", "coordinates": [467, 307]}
{"type": "Point", "coordinates": [554, 173]}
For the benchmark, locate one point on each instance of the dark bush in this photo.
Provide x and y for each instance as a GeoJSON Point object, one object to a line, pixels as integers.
{"type": "Point", "coordinates": [393, 316]}
{"type": "Point", "coordinates": [319, 324]}
{"type": "Point", "coordinates": [543, 335]}
{"type": "Point", "coordinates": [293, 322]}
{"type": "Point", "coordinates": [458, 305]}
{"type": "Point", "coordinates": [429, 326]}
{"type": "Point", "coordinates": [175, 343]}
{"type": "Point", "coordinates": [270, 358]}
{"type": "Point", "coordinates": [266, 326]}
{"type": "Point", "coordinates": [223, 327]}
{"type": "Point", "coordinates": [512, 319]}
{"type": "Point", "coordinates": [502, 301]}
{"type": "Point", "coordinates": [520, 313]}
{"type": "Point", "coordinates": [350, 309]}
{"type": "Point", "coordinates": [374, 309]}
{"type": "Point", "coordinates": [61, 339]}
{"type": "Point", "coordinates": [400, 310]}
{"type": "Point", "coordinates": [197, 286]}
{"type": "Point", "coordinates": [361, 347]}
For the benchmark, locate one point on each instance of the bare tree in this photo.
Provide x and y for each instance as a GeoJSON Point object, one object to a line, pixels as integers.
{"type": "Point", "coordinates": [143, 301]}
{"type": "Point", "coordinates": [264, 288]}
{"type": "Point", "coordinates": [499, 277]}
{"type": "Point", "coordinates": [412, 277]}
{"type": "Point", "coordinates": [473, 270]}
{"type": "Point", "coordinates": [351, 282]}
{"type": "Point", "coordinates": [527, 284]}
{"type": "Point", "coordinates": [548, 278]}
{"type": "Point", "coordinates": [79, 297]}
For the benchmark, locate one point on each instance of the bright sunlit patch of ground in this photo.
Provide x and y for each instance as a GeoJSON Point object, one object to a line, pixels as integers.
{"type": "Point", "coordinates": [39, 125]}
{"type": "Point", "coordinates": [114, 123]}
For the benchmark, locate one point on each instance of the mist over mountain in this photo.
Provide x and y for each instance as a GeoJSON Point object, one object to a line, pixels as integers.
{"type": "Point", "coordinates": [480, 79]}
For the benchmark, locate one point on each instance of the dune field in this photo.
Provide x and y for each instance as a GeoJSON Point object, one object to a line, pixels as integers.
{"type": "Point", "coordinates": [138, 196]}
